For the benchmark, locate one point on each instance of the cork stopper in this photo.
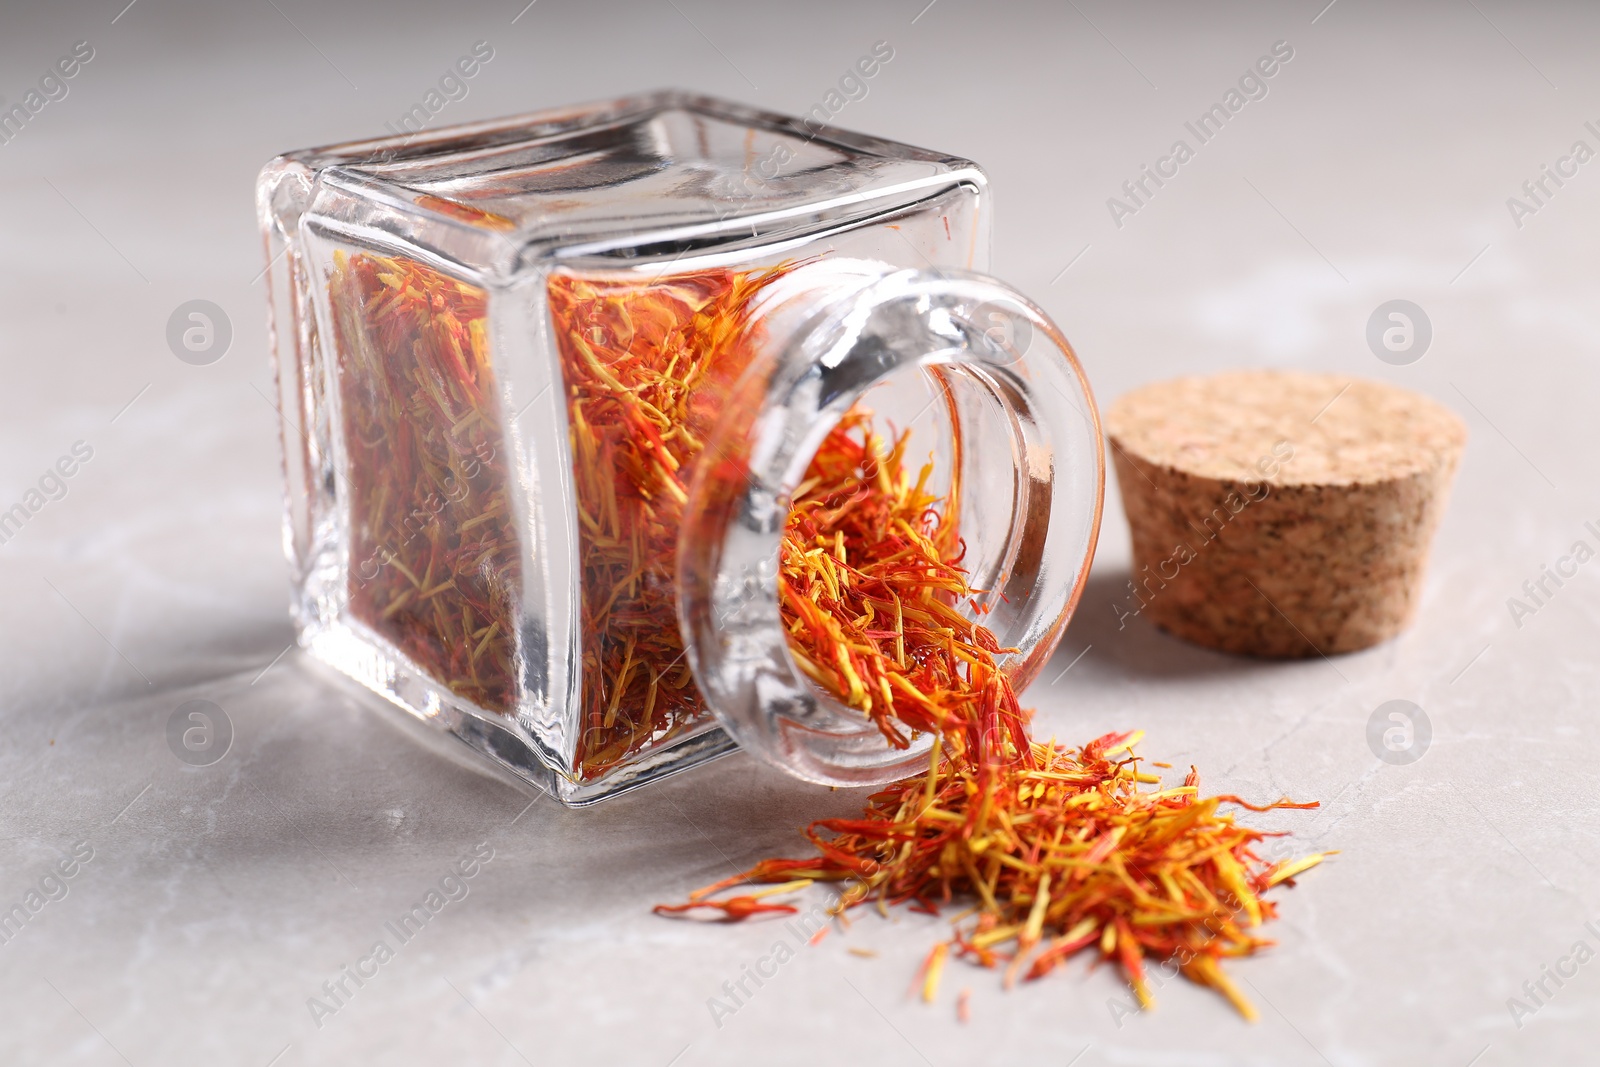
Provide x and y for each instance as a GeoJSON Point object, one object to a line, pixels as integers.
{"type": "Point", "coordinates": [1280, 514]}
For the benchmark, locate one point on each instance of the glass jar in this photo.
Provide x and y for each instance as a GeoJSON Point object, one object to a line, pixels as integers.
{"type": "Point", "coordinates": [549, 384]}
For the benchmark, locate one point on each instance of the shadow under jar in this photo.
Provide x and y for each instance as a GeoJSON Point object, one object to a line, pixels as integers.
{"type": "Point", "coordinates": [549, 384]}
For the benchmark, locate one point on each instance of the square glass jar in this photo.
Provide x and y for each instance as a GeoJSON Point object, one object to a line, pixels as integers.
{"type": "Point", "coordinates": [432, 516]}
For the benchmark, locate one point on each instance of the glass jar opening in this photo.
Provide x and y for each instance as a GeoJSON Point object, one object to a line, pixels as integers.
{"type": "Point", "coordinates": [959, 373]}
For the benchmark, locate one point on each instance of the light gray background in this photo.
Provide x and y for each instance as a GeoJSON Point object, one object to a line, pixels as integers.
{"type": "Point", "coordinates": [220, 898]}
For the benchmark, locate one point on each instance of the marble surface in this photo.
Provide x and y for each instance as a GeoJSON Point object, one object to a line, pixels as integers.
{"type": "Point", "coordinates": [207, 904]}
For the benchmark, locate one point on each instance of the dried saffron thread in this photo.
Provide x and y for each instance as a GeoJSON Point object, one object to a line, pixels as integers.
{"type": "Point", "coordinates": [435, 564]}
{"type": "Point", "coordinates": [1060, 848]}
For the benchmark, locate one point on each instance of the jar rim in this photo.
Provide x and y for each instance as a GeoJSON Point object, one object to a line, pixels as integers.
{"type": "Point", "coordinates": [835, 329]}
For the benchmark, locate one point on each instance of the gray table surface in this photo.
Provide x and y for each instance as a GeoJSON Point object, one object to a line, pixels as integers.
{"type": "Point", "coordinates": [219, 899]}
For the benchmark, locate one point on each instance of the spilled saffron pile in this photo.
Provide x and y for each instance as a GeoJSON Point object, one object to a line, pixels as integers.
{"type": "Point", "coordinates": [1047, 851]}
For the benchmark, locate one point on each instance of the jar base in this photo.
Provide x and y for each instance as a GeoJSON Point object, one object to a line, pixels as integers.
{"type": "Point", "coordinates": [493, 739]}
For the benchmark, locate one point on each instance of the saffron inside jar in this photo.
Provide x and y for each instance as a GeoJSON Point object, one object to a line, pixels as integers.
{"type": "Point", "coordinates": [435, 563]}
{"type": "Point", "coordinates": [870, 583]}
{"type": "Point", "coordinates": [641, 360]}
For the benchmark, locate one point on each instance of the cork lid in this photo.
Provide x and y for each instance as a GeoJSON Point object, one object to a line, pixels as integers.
{"type": "Point", "coordinates": [1344, 430]}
